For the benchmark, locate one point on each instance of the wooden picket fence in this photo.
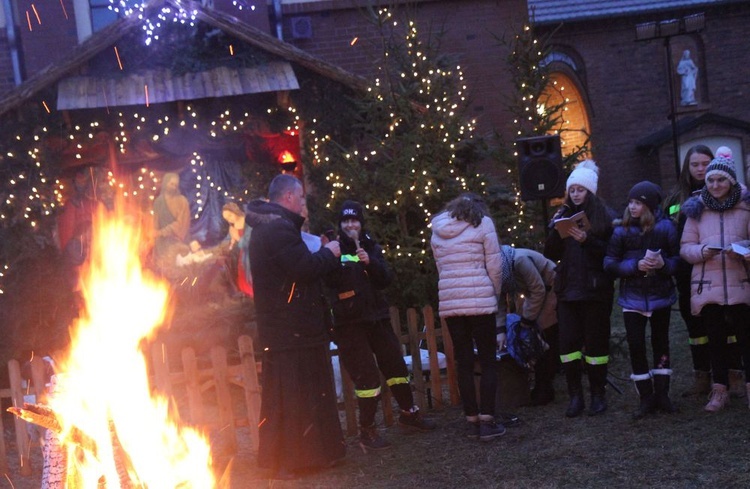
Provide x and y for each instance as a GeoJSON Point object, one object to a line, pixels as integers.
{"type": "Point", "coordinates": [220, 392]}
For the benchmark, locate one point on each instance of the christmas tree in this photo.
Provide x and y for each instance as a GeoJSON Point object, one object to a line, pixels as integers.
{"type": "Point", "coordinates": [408, 151]}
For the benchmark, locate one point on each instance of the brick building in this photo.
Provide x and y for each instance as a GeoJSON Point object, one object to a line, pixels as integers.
{"type": "Point", "coordinates": [623, 83]}
{"type": "Point", "coordinates": [618, 87]}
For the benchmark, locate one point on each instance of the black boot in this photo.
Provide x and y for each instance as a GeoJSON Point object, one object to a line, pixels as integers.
{"type": "Point", "coordinates": [645, 389]}
{"type": "Point", "coordinates": [597, 383]}
{"type": "Point", "coordinates": [661, 388]}
{"type": "Point", "coordinates": [370, 439]}
{"type": "Point", "coordinates": [575, 389]}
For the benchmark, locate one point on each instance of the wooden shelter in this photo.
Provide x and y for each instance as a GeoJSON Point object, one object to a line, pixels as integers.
{"type": "Point", "coordinates": [108, 38]}
{"type": "Point", "coordinates": [213, 92]}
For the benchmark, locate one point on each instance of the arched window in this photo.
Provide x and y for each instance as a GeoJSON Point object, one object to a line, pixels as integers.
{"type": "Point", "coordinates": [573, 124]}
{"type": "Point", "coordinates": [564, 91]}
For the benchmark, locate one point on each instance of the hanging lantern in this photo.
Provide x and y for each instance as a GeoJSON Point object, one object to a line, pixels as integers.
{"type": "Point", "coordinates": [287, 161]}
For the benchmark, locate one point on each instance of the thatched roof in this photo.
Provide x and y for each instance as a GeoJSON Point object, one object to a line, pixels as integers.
{"type": "Point", "coordinates": [108, 36]}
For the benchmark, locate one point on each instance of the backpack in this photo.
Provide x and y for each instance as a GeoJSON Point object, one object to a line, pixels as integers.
{"type": "Point", "coordinates": [525, 345]}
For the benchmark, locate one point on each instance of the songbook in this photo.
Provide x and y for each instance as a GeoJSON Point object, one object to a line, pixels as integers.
{"type": "Point", "coordinates": [739, 249]}
{"type": "Point", "coordinates": [565, 224]}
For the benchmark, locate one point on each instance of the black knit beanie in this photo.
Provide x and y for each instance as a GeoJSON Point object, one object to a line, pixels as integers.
{"type": "Point", "coordinates": [352, 210]}
{"type": "Point", "coordinates": [647, 192]}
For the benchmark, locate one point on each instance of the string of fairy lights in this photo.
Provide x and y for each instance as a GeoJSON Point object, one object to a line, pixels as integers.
{"type": "Point", "coordinates": [438, 105]}
{"type": "Point", "coordinates": [141, 186]}
{"type": "Point", "coordinates": [541, 100]}
{"type": "Point", "coordinates": [441, 112]}
{"type": "Point", "coordinates": [167, 13]}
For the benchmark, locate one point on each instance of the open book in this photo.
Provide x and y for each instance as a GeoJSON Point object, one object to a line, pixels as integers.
{"type": "Point", "coordinates": [579, 220]}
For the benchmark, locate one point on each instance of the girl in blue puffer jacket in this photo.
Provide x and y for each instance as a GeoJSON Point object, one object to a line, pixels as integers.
{"type": "Point", "coordinates": [644, 253]}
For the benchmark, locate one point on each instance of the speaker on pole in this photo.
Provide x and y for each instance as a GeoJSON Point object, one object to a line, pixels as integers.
{"type": "Point", "coordinates": [540, 167]}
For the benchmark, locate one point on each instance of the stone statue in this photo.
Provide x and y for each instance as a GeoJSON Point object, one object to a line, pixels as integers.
{"type": "Point", "coordinates": [689, 73]}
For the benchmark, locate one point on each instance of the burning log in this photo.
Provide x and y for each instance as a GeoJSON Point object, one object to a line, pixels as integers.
{"type": "Point", "coordinates": [55, 473]}
{"type": "Point", "coordinates": [46, 418]}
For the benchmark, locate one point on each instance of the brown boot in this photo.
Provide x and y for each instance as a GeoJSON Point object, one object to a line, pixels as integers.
{"type": "Point", "coordinates": [701, 384]}
{"type": "Point", "coordinates": [718, 400]}
{"type": "Point", "coordinates": [737, 384]}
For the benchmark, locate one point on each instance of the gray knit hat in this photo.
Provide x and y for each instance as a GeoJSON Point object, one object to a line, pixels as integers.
{"type": "Point", "coordinates": [722, 165]}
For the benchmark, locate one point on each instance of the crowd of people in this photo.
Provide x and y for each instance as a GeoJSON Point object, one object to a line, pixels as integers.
{"type": "Point", "coordinates": [692, 244]}
{"type": "Point", "coordinates": [689, 248]}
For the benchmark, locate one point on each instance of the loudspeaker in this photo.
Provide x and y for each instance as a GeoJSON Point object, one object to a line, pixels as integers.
{"type": "Point", "coordinates": [540, 170]}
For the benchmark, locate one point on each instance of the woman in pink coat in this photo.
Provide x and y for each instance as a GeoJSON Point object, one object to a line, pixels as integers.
{"type": "Point", "coordinates": [720, 281]}
{"type": "Point", "coordinates": [467, 255]}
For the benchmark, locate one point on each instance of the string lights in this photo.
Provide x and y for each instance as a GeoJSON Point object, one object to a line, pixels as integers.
{"type": "Point", "coordinates": [412, 158]}
{"type": "Point", "coordinates": [167, 13]}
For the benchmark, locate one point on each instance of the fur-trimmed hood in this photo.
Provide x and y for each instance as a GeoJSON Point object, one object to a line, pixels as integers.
{"type": "Point", "coordinates": [694, 206]}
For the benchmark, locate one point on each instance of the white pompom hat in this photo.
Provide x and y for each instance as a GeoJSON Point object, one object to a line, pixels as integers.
{"type": "Point", "coordinates": [585, 174]}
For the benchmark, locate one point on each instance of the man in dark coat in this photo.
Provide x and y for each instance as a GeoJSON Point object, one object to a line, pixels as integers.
{"type": "Point", "coordinates": [299, 428]}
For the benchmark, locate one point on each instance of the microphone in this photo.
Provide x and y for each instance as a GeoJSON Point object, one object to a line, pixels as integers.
{"type": "Point", "coordinates": [559, 214]}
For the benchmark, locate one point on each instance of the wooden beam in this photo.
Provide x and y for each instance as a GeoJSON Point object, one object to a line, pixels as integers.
{"type": "Point", "coordinates": [258, 38]}
{"type": "Point", "coordinates": [78, 56]}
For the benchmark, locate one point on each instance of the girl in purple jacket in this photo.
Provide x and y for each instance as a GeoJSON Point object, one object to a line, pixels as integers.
{"type": "Point", "coordinates": [644, 253]}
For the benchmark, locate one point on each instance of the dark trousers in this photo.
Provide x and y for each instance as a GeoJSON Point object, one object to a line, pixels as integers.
{"type": "Point", "coordinates": [366, 349]}
{"type": "Point", "coordinates": [584, 328]}
{"type": "Point", "coordinates": [465, 331]}
{"type": "Point", "coordinates": [584, 325]}
{"type": "Point", "coordinates": [721, 322]}
{"type": "Point", "coordinates": [635, 328]}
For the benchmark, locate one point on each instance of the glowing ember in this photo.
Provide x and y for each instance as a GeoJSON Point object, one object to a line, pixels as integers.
{"type": "Point", "coordinates": [104, 385]}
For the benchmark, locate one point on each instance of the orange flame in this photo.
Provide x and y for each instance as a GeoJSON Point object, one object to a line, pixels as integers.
{"type": "Point", "coordinates": [104, 382]}
{"type": "Point", "coordinates": [286, 157]}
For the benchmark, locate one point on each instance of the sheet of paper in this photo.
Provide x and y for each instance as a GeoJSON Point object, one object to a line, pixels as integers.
{"type": "Point", "coordinates": [739, 249]}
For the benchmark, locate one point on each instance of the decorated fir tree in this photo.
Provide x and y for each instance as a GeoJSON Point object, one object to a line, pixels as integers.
{"type": "Point", "coordinates": [408, 151]}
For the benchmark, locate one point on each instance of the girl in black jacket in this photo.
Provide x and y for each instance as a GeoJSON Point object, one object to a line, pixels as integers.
{"type": "Point", "coordinates": [584, 291]}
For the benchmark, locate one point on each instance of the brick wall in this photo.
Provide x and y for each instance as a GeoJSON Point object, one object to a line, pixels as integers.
{"type": "Point", "coordinates": [51, 36]}
{"type": "Point", "coordinates": [6, 67]}
{"type": "Point", "coordinates": [624, 82]}
{"type": "Point", "coordinates": [627, 87]}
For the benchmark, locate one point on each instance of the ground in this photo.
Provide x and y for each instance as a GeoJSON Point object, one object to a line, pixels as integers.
{"type": "Point", "coordinates": [688, 449]}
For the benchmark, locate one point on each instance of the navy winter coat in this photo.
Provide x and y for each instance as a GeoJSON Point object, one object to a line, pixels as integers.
{"type": "Point", "coordinates": [640, 291]}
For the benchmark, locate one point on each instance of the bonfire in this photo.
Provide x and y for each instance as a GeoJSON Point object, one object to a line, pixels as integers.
{"type": "Point", "coordinates": [106, 427]}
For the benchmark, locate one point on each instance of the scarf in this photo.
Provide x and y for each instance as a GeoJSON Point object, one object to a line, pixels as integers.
{"type": "Point", "coordinates": [715, 205]}
{"type": "Point", "coordinates": [508, 283]}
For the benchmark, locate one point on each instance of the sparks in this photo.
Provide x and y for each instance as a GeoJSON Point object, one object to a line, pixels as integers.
{"type": "Point", "coordinates": [39, 21]}
{"type": "Point", "coordinates": [117, 54]}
